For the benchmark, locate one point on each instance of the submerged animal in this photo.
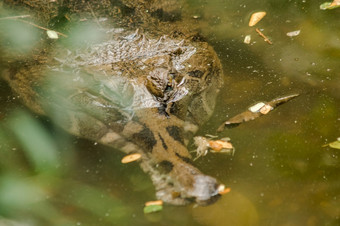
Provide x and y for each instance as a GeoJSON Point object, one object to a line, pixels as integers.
{"type": "Point", "coordinates": [137, 92]}
{"type": "Point", "coordinates": [144, 91]}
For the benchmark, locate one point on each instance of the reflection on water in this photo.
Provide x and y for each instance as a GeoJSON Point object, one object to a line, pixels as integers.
{"type": "Point", "coordinates": [279, 175]}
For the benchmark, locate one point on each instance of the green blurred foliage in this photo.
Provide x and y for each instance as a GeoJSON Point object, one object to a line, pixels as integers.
{"type": "Point", "coordinates": [33, 185]}
{"type": "Point", "coordinates": [39, 147]}
{"type": "Point", "coordinates": [19, 38]}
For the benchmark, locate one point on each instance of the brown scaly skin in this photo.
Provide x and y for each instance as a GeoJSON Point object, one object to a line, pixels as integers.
{"type": "Point", "coordinates": [137, 92]}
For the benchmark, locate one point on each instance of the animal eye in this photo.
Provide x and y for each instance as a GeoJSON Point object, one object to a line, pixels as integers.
{"type": "Point", "coordinates": [196, 73]}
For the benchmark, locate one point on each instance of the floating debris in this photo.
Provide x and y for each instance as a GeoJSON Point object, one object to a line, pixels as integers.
{"type": "Point", "coordinates": [52, 34]}
{"type": "Point", "coordinates": [131, 158]}
{"type": "Point", "coordinates": [18, 18]}
{"type": "Point", "coordinates": [153, 206]}
{"type": "Point", "coordinates": [220, 146]}
{"type": "Point", "coordinates": [255, 18]}
{"type": "Point", "coordinates": [330, 5]}
{"type": "Point", "coordinates": [255, 111]}
{"type": "Point", "coordinates": [222, 190]}
{"type": "Point", "coordinates": [334, 144]}
{"type": "Point", "coordinates": [256, 107]}
{"type": "Point", "coordinates": [204, 144]}
{"type": "Point", "coordinates": [261, 107]}
{"type": "Point", "coordinates": [293, 33]}
{"type": "Point", "coordinates": [157, 202]}
{"type": "Point", "coordinates": [263, 36]}
{"type": "Point", "coordinates": [14, 17]}
{"type": "Point", "coordinates": [266, 109]}
{"type": "Point", "coordinates": [247, 39]}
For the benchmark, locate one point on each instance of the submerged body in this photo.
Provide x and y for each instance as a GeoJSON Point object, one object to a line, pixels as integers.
{"type": "Point", "coordinates": [136, 92]}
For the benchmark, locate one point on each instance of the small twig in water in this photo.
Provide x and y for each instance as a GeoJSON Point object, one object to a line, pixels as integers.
{"type": "Point", "coordinates": [94, 15]}
{"type": "Point", "coordinates": [263, 36]}
{"type": "Point", "coordinates": [40, 27]}
{"type": "Point", "coordinates": [14, 17]}
{"type": "Point", "coordinates": [18, 18]}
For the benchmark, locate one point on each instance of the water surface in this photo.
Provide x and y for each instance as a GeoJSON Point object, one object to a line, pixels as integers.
{"type": "Point", "coordinates": [280, 173]}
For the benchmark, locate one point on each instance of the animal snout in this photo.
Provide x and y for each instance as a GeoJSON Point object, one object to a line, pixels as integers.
{"type": "Point", "coordinates": [195, 186]}
{"type": "Point", "coordinates": [205, 189]}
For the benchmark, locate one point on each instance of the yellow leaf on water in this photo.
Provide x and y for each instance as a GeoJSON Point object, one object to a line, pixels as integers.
{"type": "Point", "coordinates": [218, 145]}
{"type": "Point", "coordinates": [131, 158]}
{"type": "Point", "coordinates": [256, 17]}
{"type": "Point", "coordinates": [335, 144]}
{"type": "Point", "coordinates": [153, 203]}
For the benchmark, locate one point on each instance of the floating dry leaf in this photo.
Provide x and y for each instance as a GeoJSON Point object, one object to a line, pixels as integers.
{"type": "Point", "coordinates": [219, 145]}
{"type": "Point", "coordinates": [203, 145]}
{"type": "Point", "coordinates": [256, 17]}
{"type": "Point", "coordinates": [255, 111]}
{"type": "Point", "coordinates": [247, 39]}
{"type": "Point", "coordinates": [266, 109]}
{"type": "Point", "coordinates": [222, 189]}
{"type": "Point", "coordinates": [260, 107]}
{"type": "Point", "coordinates": [334, 144]}
{"type": "Point", "coordinates": [225, 191]}
{"type": "Point", "coordinates": [293, 33]}
{"type": "Point", "coordinates": [52, 34]}
{"type": "Point", "coordinates": [330, 5]}
{"type": "Point", "coordinates": [256, 107]}
{"type": "Point", "coordinates": [151, 203]}
{"type": "Point", "coordinates": [131, 158]}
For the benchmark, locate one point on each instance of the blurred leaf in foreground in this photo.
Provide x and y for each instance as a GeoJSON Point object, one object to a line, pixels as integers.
{"type": "Point", "coordinates": [17, 36]}
{"type": "Point", "coordinates": [27, 200]}
{"type": "Point", "coordinates": [39, 147]}
{"type": "Point", "coordinates": [16, 192]}
{"type": "Point", "coordinates": [43, 199]}
{"type": "Point", "coordinates": [96, 201]}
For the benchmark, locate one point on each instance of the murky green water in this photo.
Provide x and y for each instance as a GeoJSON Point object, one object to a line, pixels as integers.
{"type": "Point", "coordinates": [280, 173]}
